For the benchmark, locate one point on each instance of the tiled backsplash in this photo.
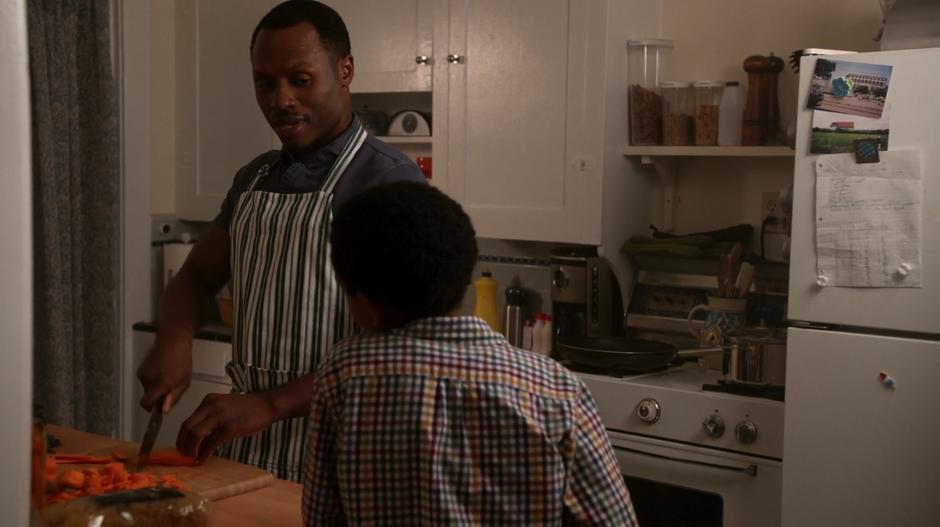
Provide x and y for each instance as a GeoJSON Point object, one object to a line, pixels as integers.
{"type": "Point", "coordinates": [526, 262]}
{"type": "Point", "coordinates": [534, 277]}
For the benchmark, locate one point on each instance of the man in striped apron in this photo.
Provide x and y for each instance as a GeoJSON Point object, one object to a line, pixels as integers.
{"type": "Point", "coordinates": [271, 240]}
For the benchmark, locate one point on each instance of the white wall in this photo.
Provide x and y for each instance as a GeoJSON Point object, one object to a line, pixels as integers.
{"type": "Point", "coordinates": [148, 40]}
{"type": "Point", "coordinates": [712, 39]}
{"type": "Point", "coordinates": [16, 279]}
{"type": "Point", "coordinates": [162, 106]}
{"type": "Point", "coordinates": [141, 141]}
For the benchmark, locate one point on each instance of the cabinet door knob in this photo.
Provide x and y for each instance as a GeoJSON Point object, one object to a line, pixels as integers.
{"type": "Point", "coordinates": [455, 59]}
{"type": "Point", "coordinates": [422, 59]}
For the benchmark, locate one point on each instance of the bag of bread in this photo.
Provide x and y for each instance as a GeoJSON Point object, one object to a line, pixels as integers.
{"type": "Point", "coordinates": [149, 507]}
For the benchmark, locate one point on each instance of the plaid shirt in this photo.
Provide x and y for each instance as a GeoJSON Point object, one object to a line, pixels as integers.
{"type": "Point", "coordinates": [442, 422]}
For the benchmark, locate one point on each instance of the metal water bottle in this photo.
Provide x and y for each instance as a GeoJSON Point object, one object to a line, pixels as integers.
{"type": "Point", "coordinates": [514, 314]}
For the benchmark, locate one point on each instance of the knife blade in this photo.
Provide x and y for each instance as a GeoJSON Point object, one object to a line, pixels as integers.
{"type": "Point", "coordinates": [150, 436]}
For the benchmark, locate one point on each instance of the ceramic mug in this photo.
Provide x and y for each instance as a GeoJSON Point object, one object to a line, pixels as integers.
{"type": "Point", "coordinates": [722, 315]}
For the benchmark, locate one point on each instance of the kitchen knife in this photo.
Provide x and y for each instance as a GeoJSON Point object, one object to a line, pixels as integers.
{"type": "Point", "coordinates": [150, 436]}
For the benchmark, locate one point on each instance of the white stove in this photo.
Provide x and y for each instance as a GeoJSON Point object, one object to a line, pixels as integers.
{"type": "Point", "coordinates": [692, 449]}
{"type": "Point", "coordinates": [690, 456]}
{"type": "Point", "coordinates": [671, 405]}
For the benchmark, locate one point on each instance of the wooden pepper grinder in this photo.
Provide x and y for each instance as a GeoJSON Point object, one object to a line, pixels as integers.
{"type": "Point", "coordinates": [772, 124]}
{"type": "Point", "coordinates": [762, 111]}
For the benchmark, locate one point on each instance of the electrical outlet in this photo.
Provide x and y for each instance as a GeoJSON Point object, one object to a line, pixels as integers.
{"type": "Point", "coordinates": [770, 206]}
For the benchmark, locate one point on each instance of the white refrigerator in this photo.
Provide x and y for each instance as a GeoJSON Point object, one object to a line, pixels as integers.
{"type": "Point", "coordinates": [858, 451]}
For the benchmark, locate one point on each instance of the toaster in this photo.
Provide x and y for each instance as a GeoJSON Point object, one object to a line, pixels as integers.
{"type": "Point", "coordinates": [409, 122]}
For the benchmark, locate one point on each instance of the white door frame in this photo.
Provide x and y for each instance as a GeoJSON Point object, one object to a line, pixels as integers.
{"type": "Point", "coordinates": [16, 263]}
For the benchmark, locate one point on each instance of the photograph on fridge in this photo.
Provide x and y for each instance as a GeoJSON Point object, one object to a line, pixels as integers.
{"type": "Point", "coordinates": [853, 88]}
{"type": "Point", "coordinates": [836, 133]}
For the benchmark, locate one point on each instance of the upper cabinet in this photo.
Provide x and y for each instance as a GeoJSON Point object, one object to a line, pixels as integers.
{"type": "Point", "coordinates": [527, 102]}
{"type": "Point", "coordinates": [523, 127]}
{"type": "Point", "coordinates": [391, 43]}
{"type": "Point", "coordinates": [219, 127]}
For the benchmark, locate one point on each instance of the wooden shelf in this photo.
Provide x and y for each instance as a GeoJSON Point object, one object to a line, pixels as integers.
{"type": "Point", "coordinates": [405, 139]}
{"type": "Point", "coordinates": [710, 151]}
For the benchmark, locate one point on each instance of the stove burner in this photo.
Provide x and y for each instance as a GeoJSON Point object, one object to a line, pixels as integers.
{"type": "Point", "coordinates": [770, 391]}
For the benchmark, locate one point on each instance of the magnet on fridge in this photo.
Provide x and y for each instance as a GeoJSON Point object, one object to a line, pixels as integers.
{"type": "Point", "coordinates": [866, 150]}
{"type": "Point", "coordinates": [822, 280]}
{"type": "Point", "coordinates": [904, 269]}
{"type": "Point", "coordinates": [842, 87]}
{"type": "Point", "coordinates": [887, 380]}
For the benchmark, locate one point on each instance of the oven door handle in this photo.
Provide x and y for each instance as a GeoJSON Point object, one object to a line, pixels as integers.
{"type": "Point", "coordinates": [750, 470]}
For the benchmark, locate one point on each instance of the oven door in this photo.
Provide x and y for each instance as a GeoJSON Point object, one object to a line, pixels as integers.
{"type": "Point", "coordinates": [677, 484]}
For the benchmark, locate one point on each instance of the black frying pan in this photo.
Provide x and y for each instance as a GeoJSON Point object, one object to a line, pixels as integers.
{"type": "Point", "coordinates": [621, 354]}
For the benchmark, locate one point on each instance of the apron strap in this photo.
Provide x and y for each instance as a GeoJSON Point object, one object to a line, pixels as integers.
{"type": "Point", "coordinates": [345, 157]}
{"type": "Point", "coordinates": [262, 173]}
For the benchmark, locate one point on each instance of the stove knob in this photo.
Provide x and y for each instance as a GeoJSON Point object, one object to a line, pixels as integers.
{"type": "Point", "coordinates": [648, 411]}
{"type": "Point", "coordinates": [714, 426]}
{"type": "Point", "coordinates": [746, 431]}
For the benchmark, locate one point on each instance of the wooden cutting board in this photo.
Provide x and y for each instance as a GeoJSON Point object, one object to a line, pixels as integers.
{"type": "Point", "coordinates": [215, 479]}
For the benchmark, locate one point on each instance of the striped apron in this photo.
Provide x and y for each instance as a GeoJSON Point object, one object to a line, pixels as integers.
{"type": "Point", "coordinates": [289, 309]}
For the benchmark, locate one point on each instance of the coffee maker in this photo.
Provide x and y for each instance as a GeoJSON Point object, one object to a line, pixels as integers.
{"type": "Point", "coordinates": [585, 294]}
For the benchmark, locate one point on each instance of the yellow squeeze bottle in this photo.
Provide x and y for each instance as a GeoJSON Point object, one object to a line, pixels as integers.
{"type": "Point", "coordinates": [486, 307]}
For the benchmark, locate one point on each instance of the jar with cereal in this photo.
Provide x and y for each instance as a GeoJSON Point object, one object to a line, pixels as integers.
{"type": "Point", "coordinates": [677, 113]}
{"type": "Point", "coordinates": [707, 104]}
{"type": "Point", "coordinates": [647, 64]}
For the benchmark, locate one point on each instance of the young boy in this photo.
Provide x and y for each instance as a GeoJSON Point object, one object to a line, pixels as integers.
{"type": "Point", "coordinates": [430, 418]}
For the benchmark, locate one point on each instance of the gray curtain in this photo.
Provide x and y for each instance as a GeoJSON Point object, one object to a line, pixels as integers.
{"type": "Point", "coordinates": [76, 213]}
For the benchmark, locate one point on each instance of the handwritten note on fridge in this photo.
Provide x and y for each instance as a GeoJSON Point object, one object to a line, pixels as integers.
{"type": "Point", "coordinates": [868, 220]}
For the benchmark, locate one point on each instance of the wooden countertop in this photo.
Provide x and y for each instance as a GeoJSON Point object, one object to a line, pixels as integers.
{"type": "Point", "coordinates": [275, 505]}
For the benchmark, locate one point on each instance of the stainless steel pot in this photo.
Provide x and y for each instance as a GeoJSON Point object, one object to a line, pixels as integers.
{"type": "Point", "coordinates": [756, 355]}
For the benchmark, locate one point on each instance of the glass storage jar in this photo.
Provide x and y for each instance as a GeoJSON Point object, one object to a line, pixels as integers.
{"type": "Point", "coordinates": [707, 106]}
{"type": "Point", "coordinates": [677, 113]}
{"type": "Point", "coordinates": [647, 63]}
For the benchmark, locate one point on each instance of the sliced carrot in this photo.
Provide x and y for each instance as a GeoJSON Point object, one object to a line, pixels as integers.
{"type": "Point", "coordinates": [110, 469]}
{"type": "Point", "coordinates": [112, 477]}
{"type": "Point", "coordinates": [51, 465]}
{"type": "Point", "coordinates": [137, 477]}
{"type": "Point", "coordinates": [56, 498]}
{"type": "Point", "coordinates": [170, 458]}
{"type": "Point", "coordinates": [94, 491]}
{"type": "Point", "coordinates": [69, 458]}
{"type": "Point", "coordinates": [92, 478]}
{"type": "Point", "coordinates": [72, 479]}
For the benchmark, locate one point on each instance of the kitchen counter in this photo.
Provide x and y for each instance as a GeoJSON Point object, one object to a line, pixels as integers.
{"type": "Point", "coordinates": [276, 504]}
{"type": "Point", "coordinates": [213, 331]}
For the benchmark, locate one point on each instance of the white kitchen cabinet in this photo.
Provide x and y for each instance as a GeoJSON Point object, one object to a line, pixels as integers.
{"type": "Point", "coordinates": [527, 100]}
{"type": "Point", "coordinates": [519, 124]}
{"type": "Point", "coordinates": [219, 126]}
{"type": "Point", "coordinates": [857, 452]}
{"type": "Point", "coordinates": [391, 44]}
